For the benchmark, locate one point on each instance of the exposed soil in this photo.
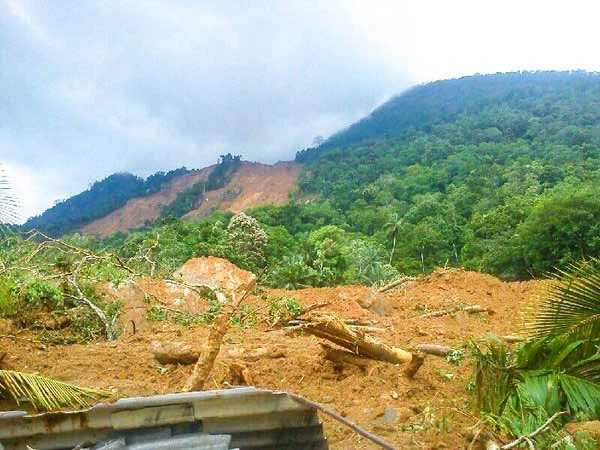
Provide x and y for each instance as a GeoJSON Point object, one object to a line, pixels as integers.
{"type": "Point", "coordinates": [253, 184]}
{"type": "Point", "coordinates": [142, 210]}
{"type": "Point", "coordinates": [426, 412]}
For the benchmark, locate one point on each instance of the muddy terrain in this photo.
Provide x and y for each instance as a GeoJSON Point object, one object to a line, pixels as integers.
{"type": "Point", "coordinates": [429, 411]}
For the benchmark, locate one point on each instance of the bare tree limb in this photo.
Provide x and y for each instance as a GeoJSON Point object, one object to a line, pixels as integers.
{"type": "Point", "coordinates": [395, 283]}
{"type": "Point", "coordinates": [81, 297]}
{"type": "Point", "coordinates": [471, 309]}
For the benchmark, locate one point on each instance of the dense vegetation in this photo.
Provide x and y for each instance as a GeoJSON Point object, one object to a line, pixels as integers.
{"type": "Point", "coordinates": [552, 378]}
{"type": "Point", "coordinates": [99, 200]}
{"type": "Point", "coordinates": [497, 173]}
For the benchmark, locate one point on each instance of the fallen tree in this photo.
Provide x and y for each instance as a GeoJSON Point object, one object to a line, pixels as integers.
{"type": "Point", "coordinates": [435, 350]}
{"type": "Point", "coordinates": [336, 355]}
{"type": "Point", "coordinates": [335, 330]}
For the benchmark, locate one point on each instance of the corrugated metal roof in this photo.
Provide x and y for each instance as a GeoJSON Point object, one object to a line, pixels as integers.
{"type": "Point", "coordinates": [248, 418]}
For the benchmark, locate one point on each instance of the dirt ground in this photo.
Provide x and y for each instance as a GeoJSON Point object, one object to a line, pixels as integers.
{"type": "Point", "coordinates": [427, 412]}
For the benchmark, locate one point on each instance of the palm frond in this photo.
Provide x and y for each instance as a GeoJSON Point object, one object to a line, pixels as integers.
{"type": "Point", "coordinates": [46, 394]}
{"type": "Point", "coordinates": [572, 305]}
{"type": "Point", "coordinates": [9, 206]}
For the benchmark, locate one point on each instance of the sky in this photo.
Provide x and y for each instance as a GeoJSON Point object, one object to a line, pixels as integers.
{"type": "Point", "coordinates": [96, 87]}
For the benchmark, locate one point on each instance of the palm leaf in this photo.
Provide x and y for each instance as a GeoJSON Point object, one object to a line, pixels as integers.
{"type": "Point", "coordinates": [46, 394]}
{"type": "Point", "coordinates": [581, 395]}
{"type": "Point", "coordinates": [9, 205]}
{"type": "Point", "coordinates": [572, 305]}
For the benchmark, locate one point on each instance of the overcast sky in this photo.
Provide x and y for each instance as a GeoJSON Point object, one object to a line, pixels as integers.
{"type": "Point", "coordinates": [91, 88]}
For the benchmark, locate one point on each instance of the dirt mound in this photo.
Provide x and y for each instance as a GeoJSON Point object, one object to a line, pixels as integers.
{"type": "Point", "coordinates": [428, 411]}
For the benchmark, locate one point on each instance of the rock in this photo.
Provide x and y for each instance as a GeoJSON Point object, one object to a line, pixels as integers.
{"type": "Point", "coordinates": [216, 273]}
{"type": "Point", "coordinates": [375, 302]}
{"type": "Point", "coordinates": [387, 418]}
{"type": "Point", "coordinates": [590, 428]}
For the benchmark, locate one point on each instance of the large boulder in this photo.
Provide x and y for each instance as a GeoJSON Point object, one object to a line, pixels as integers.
{"type": "Point", "coordinates": [216, 273]}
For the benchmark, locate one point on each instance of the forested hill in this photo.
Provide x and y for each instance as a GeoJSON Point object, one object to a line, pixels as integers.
{"type": "Point", "coordinates": [498, 173]}
{"type": "Point", "coordinates": [99, 199]}
{"type": "Point", "coordinates": [554, 96]}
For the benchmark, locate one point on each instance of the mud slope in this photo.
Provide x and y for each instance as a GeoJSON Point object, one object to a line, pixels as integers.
{"type": "Point", "coordinates": [253, 184]}
{"type": "Point", "coordinates": [429, 411]}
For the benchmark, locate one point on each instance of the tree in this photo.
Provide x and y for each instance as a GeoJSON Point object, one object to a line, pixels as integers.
{"type": "Point", "coordinates": [247, 241]}
{"type": "Point", "coordinates": [562, 227]}
{"type": "Point", "coordinates": [393, 227]}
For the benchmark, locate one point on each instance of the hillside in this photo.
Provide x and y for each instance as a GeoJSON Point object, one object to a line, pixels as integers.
{"type": "Point", "coordinates": [555, 96]}
{"type": "Point", "coordinates": [143, 210]}
{"type": "Point", "coordinates": [251, 185]}
{"type": "Point", "coordinates": [496, 173]}
{"type": "Point", "coordinates": [101, 198]}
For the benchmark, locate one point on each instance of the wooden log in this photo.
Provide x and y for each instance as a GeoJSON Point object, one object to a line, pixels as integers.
{"type": "Point", "coordinates": [174, 352]}
{"type": "Point", "coordinates": [472, 309]}
{"type": "Point", "coordinates": [415, 363]}
{"type": "Point", "coordinates": [344, 357]}
{"type": "Point", "coordinates": [395, 283]}
{"type": "Point", "coordinates": [210, 350]}
{"type": "Point", "coordinates": [435, 350]}
{"type": "Point", "coordinates": [335, 330]}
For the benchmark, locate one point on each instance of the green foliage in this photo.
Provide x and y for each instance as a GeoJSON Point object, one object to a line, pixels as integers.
{"type": "Point", "coordinates": [572, 305]}
{"type": "Point", "coordinates": [52, 286]}
{"type": "Point", "coordinates": [185, 201]}
{"type": "Point", "coordinates": [558, 370]}
{"type": "Point", "coordinates": [221, 174]}
{"type": "Point", "coordinates": [158, 313]}
{"type": "Point", "coordinates": [496, 173]}
{"type": "Point", "coordinates": [283, 308]}
{"type": "Point", "coordinates": [247, 241]}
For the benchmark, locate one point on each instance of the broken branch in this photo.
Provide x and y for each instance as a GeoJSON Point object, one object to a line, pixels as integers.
{"type": "Point", "coordinates": [395, 283]}
{"type": "Point", "coordinates": [444, 312]}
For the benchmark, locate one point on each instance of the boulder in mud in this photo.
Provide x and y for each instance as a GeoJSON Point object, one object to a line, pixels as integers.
{"type": "Point", "coordinates": [375, 302]}
{"type": "Point", "coordinates": [216, 273]}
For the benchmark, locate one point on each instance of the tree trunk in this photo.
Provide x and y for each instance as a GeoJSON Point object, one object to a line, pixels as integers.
{"type": "Point", "coordinates": [336, 331]}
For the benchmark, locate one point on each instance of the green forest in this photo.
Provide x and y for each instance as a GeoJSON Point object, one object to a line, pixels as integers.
{"type": "Point", "coordinates": [496, 173]}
